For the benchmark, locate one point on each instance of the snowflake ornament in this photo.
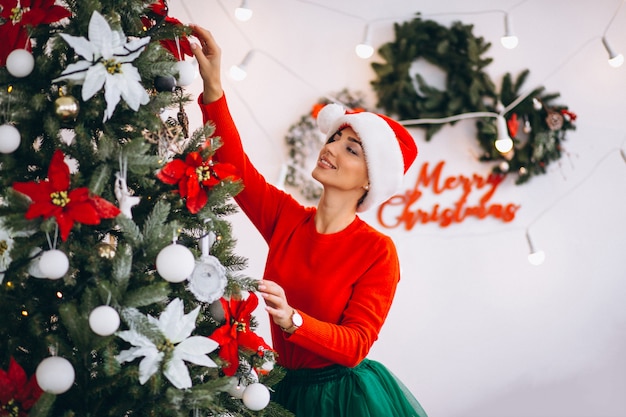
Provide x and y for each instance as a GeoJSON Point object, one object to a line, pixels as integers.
{"type": "Point", "coordinates": [176, 328]}
{"type": "Point", "coordinates": [107, 63]}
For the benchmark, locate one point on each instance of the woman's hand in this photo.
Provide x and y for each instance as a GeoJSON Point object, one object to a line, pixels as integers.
{"type": "Point", "coordinates": [276, 303]}
{"type": "Point", "coordinates": [209, 55]}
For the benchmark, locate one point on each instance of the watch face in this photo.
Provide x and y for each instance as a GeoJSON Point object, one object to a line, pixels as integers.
{"type": "Point", "coordinates": [297, 319]}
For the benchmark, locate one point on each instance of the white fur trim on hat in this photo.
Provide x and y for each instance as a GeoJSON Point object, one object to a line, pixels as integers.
{"type": "Point", "coordinates": [383, 156]}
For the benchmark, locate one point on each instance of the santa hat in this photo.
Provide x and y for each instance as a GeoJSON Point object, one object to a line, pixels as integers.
{"type": "Point", "coordinates": [389, 148]}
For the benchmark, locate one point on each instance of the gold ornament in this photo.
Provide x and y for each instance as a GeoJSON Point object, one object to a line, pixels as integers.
{"type": "Point", "coordinates": [66, 108]}
{"type": "Point", "coordinates": [106, 248]}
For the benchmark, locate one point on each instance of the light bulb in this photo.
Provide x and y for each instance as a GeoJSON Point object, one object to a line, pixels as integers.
{"type": "Point", "coordinates": [238, 73]}
{"type": "Point", "coordinates": [615, 60]}
{"type": "Point", "coordinates": [504, 143]}
{"type": "Point", "coordinates": [243, 13]}
{"type": "Point", "coordinates": [509, 40]}
{"type": "Point", "coordinates": [364, 50]}
{"type": "Point", "coordinates": [537, 258]}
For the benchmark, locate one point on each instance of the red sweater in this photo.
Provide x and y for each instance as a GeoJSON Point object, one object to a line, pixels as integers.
{"type": "Point", "coordinates": [341, 283]}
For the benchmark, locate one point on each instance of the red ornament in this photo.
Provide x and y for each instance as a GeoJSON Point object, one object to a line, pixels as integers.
{"type": "Point", "coordinates": [17, 392]}
{"type": "Point", "coordinates": [53, 198]}
{"type": "Point", "coordinates": [195, 177]}
{"type": "Point", "coordinates": [572, 116]}
{"type": "Point", "coordinates": [236, 332]}
{"type": "Point", "coordinates": [513, 125]}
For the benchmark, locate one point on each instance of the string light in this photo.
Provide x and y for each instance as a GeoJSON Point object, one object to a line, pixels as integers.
{"type": "Point", "coordinates": [615, 60]}
{"type": "Point", "coordinates": [243, 13]}
{"type": "Point", "coordinates": [504, 143]}
{"type": "Point", "coordinates": [509, 40]}
{"type": "Point", "coordinates": [365, 49]}
{"type": "Point", "coordinates": [535, 257]}
{"type": "Point", "coordinates": [240, 72]}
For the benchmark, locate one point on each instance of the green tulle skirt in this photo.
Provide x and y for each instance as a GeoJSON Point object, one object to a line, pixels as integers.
{"type": "Point", "coordinates": [367, 390]}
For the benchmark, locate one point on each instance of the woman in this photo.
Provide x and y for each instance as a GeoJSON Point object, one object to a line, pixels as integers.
{"type": "Point", "coordinates": [330, 278]}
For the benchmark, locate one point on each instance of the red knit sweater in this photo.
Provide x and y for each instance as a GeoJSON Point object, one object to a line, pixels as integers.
{"type": "Point", "coordinates": [341, 283]}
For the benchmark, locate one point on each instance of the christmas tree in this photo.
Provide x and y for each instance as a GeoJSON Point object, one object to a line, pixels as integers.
{"type": "Point", "coordinates": [120, 293]}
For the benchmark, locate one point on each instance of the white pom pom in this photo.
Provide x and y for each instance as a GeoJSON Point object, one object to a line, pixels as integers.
{"type": "Point", "coordinates": [175, 263]}
{"type": "Point", "coordinates": [187, 72]}
{"type": "Point", "coordinates": [328, 115]}
{"type": "Point", "coordinates": [54, 264]}
{"type": "Point", "coordinates": [20, 63]}
{"type": "Point", "coordinates": [256, 396]}
{"type": "Point", "coordinates": [55, 375]}
{"type": "Point", "coordinates": [10, 138]}
{"type": "Point", "coordinates": [104, 320]}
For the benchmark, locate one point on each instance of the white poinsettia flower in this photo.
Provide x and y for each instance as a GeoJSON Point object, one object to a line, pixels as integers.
{"type": "Point", "coordinates": [107, 63]}
{"type": "Point", "coordinates": [176, 327]}
{"type": "Point", "coordinates": [6, 242]}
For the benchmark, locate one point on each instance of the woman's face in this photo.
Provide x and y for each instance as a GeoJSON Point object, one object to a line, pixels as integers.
{"type": "Point", "coordinates": [341, 163]}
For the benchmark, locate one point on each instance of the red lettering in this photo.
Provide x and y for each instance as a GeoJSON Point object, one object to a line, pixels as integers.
{"type": "Point", "coordinates": [411, 214]}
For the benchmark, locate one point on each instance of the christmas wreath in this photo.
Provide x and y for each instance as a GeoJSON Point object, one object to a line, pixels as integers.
{"type": "Point", "coordinates": [469, 89]}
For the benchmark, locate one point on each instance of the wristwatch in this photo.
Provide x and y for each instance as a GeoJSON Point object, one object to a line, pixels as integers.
{"type": "Point", "coordinates": [296, 322]}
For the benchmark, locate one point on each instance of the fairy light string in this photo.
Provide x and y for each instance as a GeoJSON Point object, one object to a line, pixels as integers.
{"type": "Point", "coordinates": [444, 120]}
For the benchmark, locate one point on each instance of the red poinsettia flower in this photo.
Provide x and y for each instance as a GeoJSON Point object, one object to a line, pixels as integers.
{"type": "Point", "coordinates": [195, 177]}
{"type": "Point", "coordinates": [17, 392]}
{"type": "Point", "coordinates": [19, 16]}
{"type": "Point", "coordinates": [179, 48]}
{"type": "Point", "coordinates": [53, 198]}
{"type": "Point", "coordinates": [236, 332]}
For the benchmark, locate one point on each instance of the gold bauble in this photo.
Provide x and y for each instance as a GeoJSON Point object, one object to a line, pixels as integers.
{"type": "Point", "coordinates": [106, 250]}
{"type": "Point", "coordinates": [66, 108]}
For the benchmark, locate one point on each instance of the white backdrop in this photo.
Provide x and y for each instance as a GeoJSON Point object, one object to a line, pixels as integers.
{"type": "Point", "coordinates": [475, 331]}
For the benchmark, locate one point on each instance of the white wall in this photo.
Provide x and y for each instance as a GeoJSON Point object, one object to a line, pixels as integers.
{"type": "Point", "coordinates": [475, 331]}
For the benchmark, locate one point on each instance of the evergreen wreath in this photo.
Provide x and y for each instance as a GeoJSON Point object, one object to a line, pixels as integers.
{"type": "Point", "coordinates": [469, 89]}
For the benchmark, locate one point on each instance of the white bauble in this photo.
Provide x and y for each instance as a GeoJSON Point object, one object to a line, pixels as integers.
{"type": "Point", "coordinates": [20, 63]}
{"type": "Point", "coordinates": [175, 263]}
{"type": "Point", "coordinates": [187, 72]}
{"type": "Point", "coordinates": [53, 264]}
{"type": "Point", "coordinates": [256, 396]}
{"type": "Point", "coordinates": [55, 375]}
{"type": "Point", "coordinates": [104, 320]}
{"type": "Point", "coordinates": [10, 138]}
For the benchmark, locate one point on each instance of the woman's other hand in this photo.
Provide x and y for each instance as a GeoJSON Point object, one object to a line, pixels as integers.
{"type": "Point", "coordinates": [276, 303]}
{"type": "Point", "coordinates": [209, 55]}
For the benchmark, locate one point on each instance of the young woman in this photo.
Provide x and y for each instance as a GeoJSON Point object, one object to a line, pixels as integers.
{"type": "Point", "coordinates": [330, 278]}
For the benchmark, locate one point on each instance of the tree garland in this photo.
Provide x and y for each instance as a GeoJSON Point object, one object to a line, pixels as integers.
{"type": "Point", "coordinates": [469, 89]}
